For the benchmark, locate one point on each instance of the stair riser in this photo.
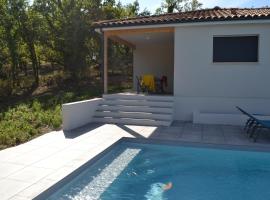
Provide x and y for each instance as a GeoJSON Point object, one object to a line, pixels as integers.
{"type": "Point", "coordinates": [139, 97]}
{"type": "Point", "coordinates": [135, 109]}
{"type": "Point", "coordinates": [138, 103]}
{"type": "Point", "coordinates": [135, 115]}
{"type": "Point", "coordinates": [132, 122]}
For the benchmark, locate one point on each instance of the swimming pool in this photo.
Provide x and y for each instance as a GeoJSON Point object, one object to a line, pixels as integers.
{"type": "Point", "coordinates": [132, 170]}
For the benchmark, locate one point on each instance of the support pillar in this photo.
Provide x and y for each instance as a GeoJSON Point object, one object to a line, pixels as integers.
{"type": "Point", "coordinates": [105, 63]}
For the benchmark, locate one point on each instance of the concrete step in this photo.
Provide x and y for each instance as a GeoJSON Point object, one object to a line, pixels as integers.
{"type": "Point", "coordinates": [163, 104]}
{"type": "Point", "coordinates": [135, 109]}
{"type": "Point", "coordinates": [130, 96]}
{"type": "Point", "coordinates": [147, 109]}
{"type": "Point", "coordinates": [134, 115]}
{"type": "Point", "coordinates": [129, 121]}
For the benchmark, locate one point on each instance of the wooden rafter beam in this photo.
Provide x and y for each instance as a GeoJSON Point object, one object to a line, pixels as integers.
{"type": "Point", "coordinates": [122, 41]}
{"type": "Point", "coordinates": [138, 31]}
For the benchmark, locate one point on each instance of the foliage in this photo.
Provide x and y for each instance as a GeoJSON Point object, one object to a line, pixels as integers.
{"type": "Point", "coordinates": [59, 32]}
{"type": "Point", "coordinates": [18, 35]}
{"type": "Point", "coordinates": [32, 117]}
{"type": "Point", "coordinates": [50, 54]}
{"type": "Point", "coordinates": [170, 6]}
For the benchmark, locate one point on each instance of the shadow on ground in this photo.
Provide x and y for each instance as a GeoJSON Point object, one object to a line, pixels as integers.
{"type": "Point", "coordinates": [182, 131]}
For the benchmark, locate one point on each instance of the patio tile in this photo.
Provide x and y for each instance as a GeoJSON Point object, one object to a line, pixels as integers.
{"type": "Point", "coordinates": [35, 189]}
{"type": "Point", "coordinates": [179, 123]}
{"type": "Point", "coordinates": [5, 155]}
{"type": "Point", "coordinates": [264, 137]}
{"type": "Point", "coordinates": [136, 128]}
{"type": "Point", "coordinates": [18, 197]}
{"type": "Point", "coordinates": [169, 133]}
{"type": "Point", "coordinates": [8, 168]}
{"type": "Point", "coordinates": [190, 127]}
{"type": "Point", "coordinates": [53, 156]}
{"type": "Point", "coordinates": [231, 129]}
{"type": "Point", "coordinates": [93, 140]}
{"type": "Point", "coordinates": [26, 159]}
{"type": "Point", "coordinates": [30, 174]}
{"type": "Point", "coordinates": [16, 151]}
{"type": "Point", "coordinates": [58, 160]}
{"type": "Point", "coordinates": [82, 159]}
{"type": "Point", "coordinates": [213, 134]}
{"type": "Point", "coordinates": [52, 162]}
{"type": "Point", "coordinates": [167, 137]}
{"type": "Point", "coordinates": [42, 140]}
{"type": "Point", "coordinates": [60, 173]}
{"type": "Point", "coordinates": [190, 132]}
{"type": "Point", "coordinates": [218, 133]}
{"type": "Point", "coordinates": [82, 146]}
{"type": "Point", "coordinates": [79, 161]}
{"type": "Point", "coordinates": [61, 145]}
{"type": "Point", "coordinates": [155, 135]}
{"type": "Point", "coordinates": [23, 148]}
{"type": "Point", "coordinates": [148, 131]}
{"type": "Point", "coordinates": [235, 133]}
{"type": "Point", "coordinates": [237, 138]}
{"type": "Point", "coordinates": [214, 140]}
{"type": "Point", "coordinates": [46, 151]}
{"type": "Point", "coordinates": [171, 130]}
{"type": "Point", "coordinates": [192, 136]}
{"type": "Point", "coordinates": [120, 133]}
{"type": "Point", "coordinates": [108, 128]}
{"type": "Point", "coordinates": [211, 128]}
{"type": "Point", "coordinates": [11, 187]}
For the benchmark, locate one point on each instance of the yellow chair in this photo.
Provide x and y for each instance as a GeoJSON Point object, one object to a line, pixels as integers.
{"type": "Point", "coordinates": [149, 82]}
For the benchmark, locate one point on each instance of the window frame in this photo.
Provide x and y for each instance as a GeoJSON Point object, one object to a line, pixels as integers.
{"type": "Point", "coordinates": [234, 36]}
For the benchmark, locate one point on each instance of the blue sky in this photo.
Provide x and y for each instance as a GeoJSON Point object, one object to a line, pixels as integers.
{"type": "Point", "coordinates": [153, 4]}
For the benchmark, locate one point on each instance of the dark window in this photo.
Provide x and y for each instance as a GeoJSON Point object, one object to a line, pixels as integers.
{"type": "Point", "coordinates": [235, 49]}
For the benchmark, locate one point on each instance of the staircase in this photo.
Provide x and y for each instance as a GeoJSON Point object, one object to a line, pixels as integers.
{"type": "Point", "coordinates": [135, 109]}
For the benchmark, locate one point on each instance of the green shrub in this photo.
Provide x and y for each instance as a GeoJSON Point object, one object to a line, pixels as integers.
{"type": "Point", "coordinates": [29, 118]}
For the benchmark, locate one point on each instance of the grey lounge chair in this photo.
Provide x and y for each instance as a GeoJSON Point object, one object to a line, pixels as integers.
{"type": "Point", "coordinates": [254, 125]}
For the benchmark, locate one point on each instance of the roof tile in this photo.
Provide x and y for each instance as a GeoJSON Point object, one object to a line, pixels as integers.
{"type": "Point", "coordinates": [215, 14]}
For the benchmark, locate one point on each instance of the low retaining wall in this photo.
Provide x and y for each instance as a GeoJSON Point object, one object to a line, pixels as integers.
{"type": "Point", "coordinates": [184, 106]}
{"type": "Point", "coordinates": [79, 113]}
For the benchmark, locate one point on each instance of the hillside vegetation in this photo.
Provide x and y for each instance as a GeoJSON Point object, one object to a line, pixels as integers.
{"type": "Point", "coordinates": [50, 55]}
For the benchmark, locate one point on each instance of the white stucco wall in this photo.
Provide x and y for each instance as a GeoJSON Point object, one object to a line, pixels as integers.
{"type": "Point", "coordinates": [201, 85]}
{"type": "Point", "coordinates": [79, 113]}
{"type": "Point", "coordinates": [156, 59]}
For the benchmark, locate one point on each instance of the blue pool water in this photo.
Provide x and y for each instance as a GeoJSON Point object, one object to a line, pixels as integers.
{"type": "Point", "coordinates": [139, 171]}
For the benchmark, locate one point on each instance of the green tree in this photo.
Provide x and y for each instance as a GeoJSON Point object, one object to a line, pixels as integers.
{"type": "Point", "coordinates": [192, 5]}
{"type": "Point", "coordinates": [59, 32]}
{"type": "Point", "coordinates": [9, 35]}
{"type": "Point", "coordinates": [145, 12]}
{"type": "Point", "coordinates": [133, 9]}
{"type": "Point", "coordinates": [28, 25]}
{"type": "Point", "coordinates": [68, 25]}
{"type": "Point", "coordinates": [171, 6]}
{"type": "Point", "coordinates": [19, 30]}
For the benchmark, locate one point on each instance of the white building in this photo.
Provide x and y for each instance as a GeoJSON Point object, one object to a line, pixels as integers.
{"type": "Point", "coordinates": [214, 60]}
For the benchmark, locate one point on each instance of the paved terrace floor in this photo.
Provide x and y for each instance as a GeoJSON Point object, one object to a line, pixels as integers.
{"type": "Point", "coordinates": [30, 168]}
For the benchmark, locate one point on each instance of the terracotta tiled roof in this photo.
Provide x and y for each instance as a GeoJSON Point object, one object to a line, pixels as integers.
{"type": "Point", "coordinates": [215, 14]}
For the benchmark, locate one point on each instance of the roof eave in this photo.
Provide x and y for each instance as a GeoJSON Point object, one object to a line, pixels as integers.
{"type": "Point", "coordinates": [193, 21]}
